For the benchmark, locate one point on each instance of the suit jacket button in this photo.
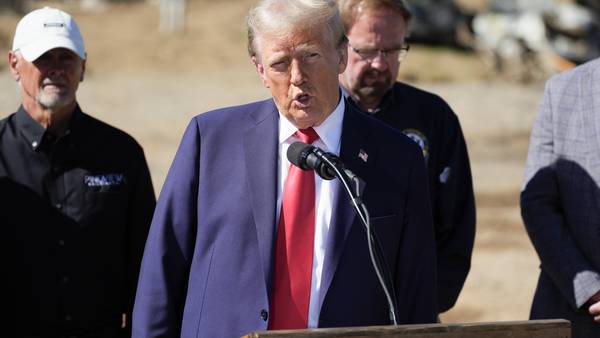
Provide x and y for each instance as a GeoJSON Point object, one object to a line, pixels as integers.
{"type": "Point", "coordinates": [264, 314]}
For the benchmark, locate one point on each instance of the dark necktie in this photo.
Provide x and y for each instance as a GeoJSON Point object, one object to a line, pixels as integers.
{"type": "Point", "coordinates": [290, 295]}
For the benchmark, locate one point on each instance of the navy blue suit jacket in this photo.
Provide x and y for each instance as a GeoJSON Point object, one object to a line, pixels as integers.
{"type": "Point", "coordinates": [208, 261]}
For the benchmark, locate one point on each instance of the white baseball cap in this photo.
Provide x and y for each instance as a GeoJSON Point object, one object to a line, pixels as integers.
{"type": "Point", "coordinates": [44, 29]}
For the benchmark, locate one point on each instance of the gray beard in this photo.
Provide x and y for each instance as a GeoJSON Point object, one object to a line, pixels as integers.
{"type": "Point", "coordinates": [53, 101]}
{"type": "Point", "coordinates": [49, 101]}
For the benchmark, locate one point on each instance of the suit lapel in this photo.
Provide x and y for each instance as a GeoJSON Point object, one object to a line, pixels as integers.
{"type": "Point", "coordinates": [353, 144]}
{"type": "Point", "coordinates": [261, 159]}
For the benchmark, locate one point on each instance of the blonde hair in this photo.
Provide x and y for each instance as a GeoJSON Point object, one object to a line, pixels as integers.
{"type": "Point", "coordinates": [349, 9]}
{"type": "Point", "coordinates": [280, 17]}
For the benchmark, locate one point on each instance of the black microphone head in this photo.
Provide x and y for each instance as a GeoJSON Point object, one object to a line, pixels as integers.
{"type": "Point", "coordinates": [319, 160]}
{"type": "Point", "coordinates": [309, 157]}
{"type": "Point", "coordinates": [297, 154]}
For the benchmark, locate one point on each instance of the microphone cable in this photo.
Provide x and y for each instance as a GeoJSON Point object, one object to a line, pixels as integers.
{"type": "Point", "coordinates": [377, 258]}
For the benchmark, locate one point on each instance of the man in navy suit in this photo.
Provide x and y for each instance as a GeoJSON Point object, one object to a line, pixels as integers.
{"type": "Point", "coordinates": [212, 266]}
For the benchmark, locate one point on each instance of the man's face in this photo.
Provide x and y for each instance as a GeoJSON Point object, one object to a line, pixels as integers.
{"type": "Point", "coordinates": [51, 80]}
{"type": "Point", "coordinates": [301, 71]}
{"type": "Point", "coordinates": [368, 80]}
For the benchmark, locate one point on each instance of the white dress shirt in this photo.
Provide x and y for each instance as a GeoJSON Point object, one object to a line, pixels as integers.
{"type": "Point", "coordinates": [330, 132]}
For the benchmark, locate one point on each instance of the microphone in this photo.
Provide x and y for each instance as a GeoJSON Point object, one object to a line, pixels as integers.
{"type": "Point", "coordinates": [308, 157]}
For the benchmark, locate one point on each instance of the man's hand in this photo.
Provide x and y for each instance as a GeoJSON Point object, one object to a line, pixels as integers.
{"type": "Point", "coordinates": [595, 306]}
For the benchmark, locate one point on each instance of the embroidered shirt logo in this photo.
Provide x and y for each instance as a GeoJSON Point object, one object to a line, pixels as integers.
{"type": "Point", "coordinates": [104, 180]}
{"type": "Point", "coordinates": [419, 139]}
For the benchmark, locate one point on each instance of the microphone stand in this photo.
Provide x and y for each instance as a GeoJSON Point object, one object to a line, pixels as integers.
{"type": "Point", "coordinates": [376, 254]}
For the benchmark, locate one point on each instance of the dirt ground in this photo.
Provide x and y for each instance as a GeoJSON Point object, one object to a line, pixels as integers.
{"type": "Point", "coordinates": [150, 84]}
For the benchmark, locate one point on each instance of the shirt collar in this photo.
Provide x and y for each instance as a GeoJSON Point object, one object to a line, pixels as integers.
{"type": "Point", "coordinates": [30, 129]}
{"type": "Point", "coordinates": [330, 130]}
{"type": "Point", "coordinates": [34, 133]}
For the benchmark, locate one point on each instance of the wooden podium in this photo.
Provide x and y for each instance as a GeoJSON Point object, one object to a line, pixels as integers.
{"type": "Point", "coordinates": [555, 328]}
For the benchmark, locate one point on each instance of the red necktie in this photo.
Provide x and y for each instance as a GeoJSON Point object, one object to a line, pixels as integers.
{"type": "Point", "coordinates": [290, 296]}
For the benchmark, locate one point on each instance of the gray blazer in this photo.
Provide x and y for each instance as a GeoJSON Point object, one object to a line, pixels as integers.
{"type": "Point", "coordinates": [560, 200]}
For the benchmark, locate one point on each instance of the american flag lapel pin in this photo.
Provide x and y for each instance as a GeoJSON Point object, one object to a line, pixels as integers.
{"type": "Point", "coordinates": [363, 155]}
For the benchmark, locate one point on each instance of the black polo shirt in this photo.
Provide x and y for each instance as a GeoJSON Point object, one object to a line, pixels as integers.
{"type": "Point", "coordinates": [75, 211]}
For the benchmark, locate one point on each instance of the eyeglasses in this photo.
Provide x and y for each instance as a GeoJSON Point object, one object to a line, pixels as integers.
{"type": "Point", "coordinates": [388, 54]}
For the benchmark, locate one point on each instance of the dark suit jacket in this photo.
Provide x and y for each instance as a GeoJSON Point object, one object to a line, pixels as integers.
{"type": "Point", "coordinates": [429, 120]}
{"type": "Point", "coordinates": [560, 202]}
{"type": "Point", "coordinates": [208, 262]}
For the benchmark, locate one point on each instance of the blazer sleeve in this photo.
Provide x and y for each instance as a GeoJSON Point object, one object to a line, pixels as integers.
{"type": "Point", "coordinates": [455, 214]}
{"type": "Point", "coordinates": [416, 278]}
{"type": "Point", "coordinates": [165, 266]}
{"type": "Point", "coordinates": [543, 215]}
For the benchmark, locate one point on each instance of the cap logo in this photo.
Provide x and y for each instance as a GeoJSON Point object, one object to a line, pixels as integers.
{"type": "Point", "coordinates": [54, 24]}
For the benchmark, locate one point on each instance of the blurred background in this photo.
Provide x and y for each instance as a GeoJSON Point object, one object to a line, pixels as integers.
{"type": "Point", "coordinates": [153, 64]}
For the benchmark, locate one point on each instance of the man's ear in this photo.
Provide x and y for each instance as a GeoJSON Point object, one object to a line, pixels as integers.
{"type": "Point", "coordinates": [82, 70]}
{"type": "Point", "coordinates": [260, 69]}
{"type": "Point", "coordinates": [342, 51]}
{"type": "Point", "coordinates": [13, 60]}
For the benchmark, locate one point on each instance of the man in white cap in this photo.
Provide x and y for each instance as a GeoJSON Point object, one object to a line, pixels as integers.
{"type": "Point", "coordinates": [76, 196]}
